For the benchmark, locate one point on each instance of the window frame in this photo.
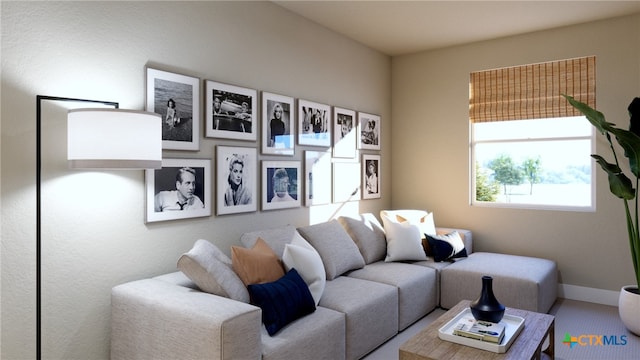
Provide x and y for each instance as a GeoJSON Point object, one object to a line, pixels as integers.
{"type": "Point", "coordinates": [530, 206]}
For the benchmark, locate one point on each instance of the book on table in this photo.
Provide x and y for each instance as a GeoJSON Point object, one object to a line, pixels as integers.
{"type": "Point", "coordinates": [479, 330]}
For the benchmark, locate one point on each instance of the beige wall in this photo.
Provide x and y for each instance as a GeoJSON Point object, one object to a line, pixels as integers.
{"type": "Point", "coordinates": [94, 235]}
{"type": "Point", "coordinates": [430, 122]}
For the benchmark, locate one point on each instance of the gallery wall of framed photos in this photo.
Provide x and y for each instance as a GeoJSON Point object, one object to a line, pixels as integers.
{"type": "Point", "coordinates": [272, 151]}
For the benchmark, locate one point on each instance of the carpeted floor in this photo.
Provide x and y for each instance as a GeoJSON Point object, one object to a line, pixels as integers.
{"type": "Point", "coordinates": [586, 322]}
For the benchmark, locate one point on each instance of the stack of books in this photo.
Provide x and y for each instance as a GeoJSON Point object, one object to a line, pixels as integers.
{"type": "Point", "coordinates": [479, 330]}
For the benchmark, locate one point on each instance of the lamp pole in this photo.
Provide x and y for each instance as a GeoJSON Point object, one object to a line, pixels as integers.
{"type": "Point", "coordinates": [39, 101]}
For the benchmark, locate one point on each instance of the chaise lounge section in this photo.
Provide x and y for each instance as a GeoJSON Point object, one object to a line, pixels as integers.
{"type": "Point", "coordinates": [521, 282]}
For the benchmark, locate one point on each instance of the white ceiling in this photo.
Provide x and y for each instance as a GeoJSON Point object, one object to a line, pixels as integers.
{"type": "Point", "coordinates": [404, 27]}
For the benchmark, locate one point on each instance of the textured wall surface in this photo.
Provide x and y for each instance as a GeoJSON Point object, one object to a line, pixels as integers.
{"type": "Point", "coordinates": [94, 235]}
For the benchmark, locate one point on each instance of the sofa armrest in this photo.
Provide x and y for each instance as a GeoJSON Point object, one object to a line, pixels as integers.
{"type": "Point", "coordinates": [153, 319]}
{"type": "Point", "coordinates": [466, 235]}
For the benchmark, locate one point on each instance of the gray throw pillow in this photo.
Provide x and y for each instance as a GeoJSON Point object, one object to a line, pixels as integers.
{"type": "Point", "coordinates": [336, 248]}
{"type": "Point", "coordinates": [211, 270]}
{"type": "Point", "coordinates": [368, 234]}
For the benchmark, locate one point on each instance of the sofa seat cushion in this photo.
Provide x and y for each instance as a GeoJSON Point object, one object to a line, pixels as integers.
{"type": "Point", "coordinates": [521, 282]}
{"type": "Point", "coordinates": [321, 333]}
{"type": "Point", "coordinates": [416, 287]}
{"type": "Point", "coordinates": [371, 311]}
{"type": "Point", "coordinates": [336, 248]}
{"type": "Point", "coordinates": [437, 267]}
{"type": "Point", "coordinates": [368, 234]}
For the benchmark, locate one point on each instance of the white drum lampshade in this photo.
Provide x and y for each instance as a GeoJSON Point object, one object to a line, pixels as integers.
{"type": "Point", "coordinates": [114, 139]}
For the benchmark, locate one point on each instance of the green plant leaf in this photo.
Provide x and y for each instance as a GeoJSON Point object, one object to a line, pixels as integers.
{"type": "Point", "coordinates": [619, 184]}
{"type": "Point", "coordinates": [595, 117]}
{"type": "Point", "coordinates": [630, 142]}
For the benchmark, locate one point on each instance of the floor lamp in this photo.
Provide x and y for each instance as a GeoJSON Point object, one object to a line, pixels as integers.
{"type": "Point", "coordinates": [96, 140]}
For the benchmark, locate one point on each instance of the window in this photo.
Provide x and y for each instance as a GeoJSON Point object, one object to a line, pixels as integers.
{"type": "Point", "coordinates": [529, 147]}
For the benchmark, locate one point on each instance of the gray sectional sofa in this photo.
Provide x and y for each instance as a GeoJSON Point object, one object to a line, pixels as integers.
{"type": "Point", "coordinates": [364, 302]}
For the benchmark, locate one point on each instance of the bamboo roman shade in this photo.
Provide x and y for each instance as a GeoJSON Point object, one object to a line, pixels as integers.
{"type": "Point", "coordinates": [532, 91]}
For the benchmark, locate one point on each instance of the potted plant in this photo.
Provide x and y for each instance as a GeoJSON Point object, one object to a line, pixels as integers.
{"type": "Point", "coordinates": [626, 189]}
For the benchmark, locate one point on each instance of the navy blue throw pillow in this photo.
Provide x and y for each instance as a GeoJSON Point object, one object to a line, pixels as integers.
{"type": "Point", "coordinates": [282, 301]}
{"type": "Point", "coordinates": [442, 250]}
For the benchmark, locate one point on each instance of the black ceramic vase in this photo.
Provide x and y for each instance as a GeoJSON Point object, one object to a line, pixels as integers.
{"type": "Point", "coordinates": [487, 307]}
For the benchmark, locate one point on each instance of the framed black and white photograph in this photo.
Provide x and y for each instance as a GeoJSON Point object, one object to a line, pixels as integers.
{"type": "Point", "coordinates": [314, 124]}
{"type": "Point", "coordinates": [231, 111]}
{"type": "Point", "coordinates": [370, 176]}
{"type": "Point", "coordinates": [181, 189]}
{"type": "Point", "coordinates": [317, 177]}
{"type": "Point", "coordinates": [344, 133]}
{"type": "Point", "coordinates": [177, 99]}
{"type": "Point", "coordinates": [281, 185]}
{"type": "Point", "coordinates": [236, 180]}
{"type": "Point", "coordinates": [278, 119]}
{"type": "Point", "coordinates": [346, 181]}
{"type": "Point", "coordinates": [368, 131]}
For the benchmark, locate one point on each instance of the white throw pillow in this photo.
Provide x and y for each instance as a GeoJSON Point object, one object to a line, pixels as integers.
{"type": "Point", "coordinates": [422, 219]}
{"type": "Point", "coordinates": [404, 241]}
{"type": "Point", "coordinates": [306, 260]}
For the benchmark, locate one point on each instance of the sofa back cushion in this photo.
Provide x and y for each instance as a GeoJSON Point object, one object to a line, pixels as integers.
{"type": "Point", "coordinates": [276, 238]}
{"type": "Point", "coordinates": [365, 230]}
{"type": "Point", "coordinates": [212, 271]}
{"type": "Point", "coordinates": [336, 248]}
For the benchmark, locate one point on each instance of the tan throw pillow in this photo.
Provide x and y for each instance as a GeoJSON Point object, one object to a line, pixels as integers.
{"type": "Point", "coordinates": [257, 265]}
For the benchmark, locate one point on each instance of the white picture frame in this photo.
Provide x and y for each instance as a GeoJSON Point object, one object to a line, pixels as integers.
{"type": "Point", "coordinates": [371, 185]}
{"type": "Point", "coordinates": [369, 131]}
{"type": "Point", "coordinates": [278, 134]}
{"type": "Point", "coordinates": [346, 181]}
{"type": "Point", "coordinates": [283, 175]}
{"type": "Point", "coordinates": [314, 123]}
{"type": "Point", "coordinates": [317, 178]}
{"type": "Point", "coordinates": [344, 133]}
{"type": "Point", "coordinates": [231, 111]}
{"type": "Point", "coordinates": [167, 186]}
{"type": "Point", "coordinates": [237, 179]}
{"type": "Point", "coordinates": [176, 98]}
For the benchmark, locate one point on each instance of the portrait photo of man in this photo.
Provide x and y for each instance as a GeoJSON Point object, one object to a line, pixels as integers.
{"type": "Point", "coordinates": [183, 196]}
{"type": "Point", "coordinates": [180, 189]}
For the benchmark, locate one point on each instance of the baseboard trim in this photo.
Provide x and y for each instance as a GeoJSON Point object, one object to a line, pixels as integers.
{"type": "Point", "coordinates": [593, 295]}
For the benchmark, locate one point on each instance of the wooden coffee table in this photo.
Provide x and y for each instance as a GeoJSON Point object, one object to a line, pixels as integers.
{"type": "Point", "coordinates": [528, 345]}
